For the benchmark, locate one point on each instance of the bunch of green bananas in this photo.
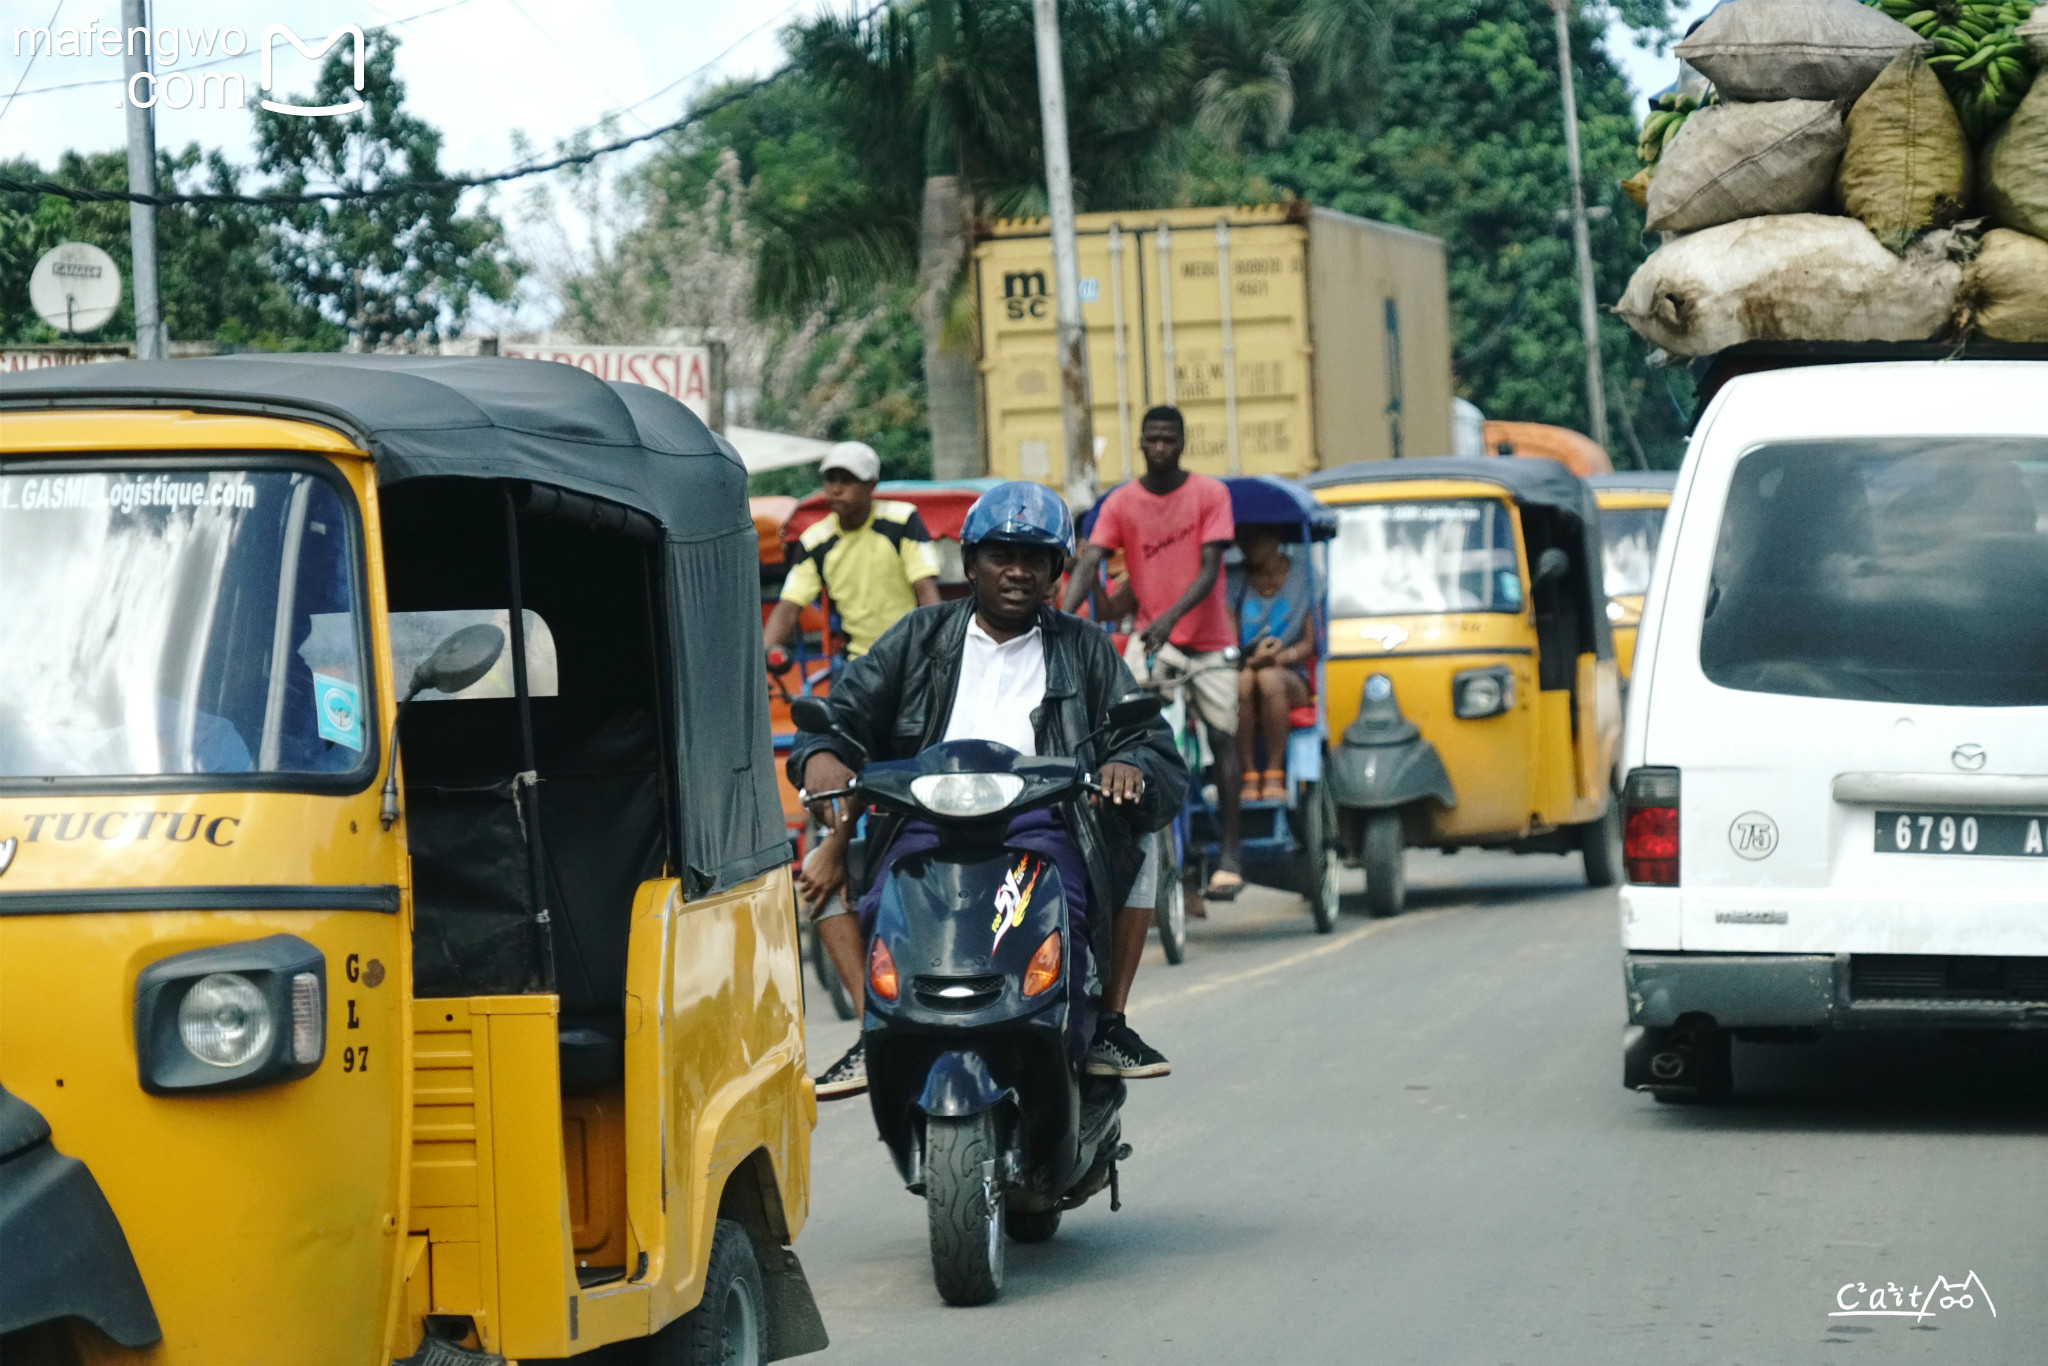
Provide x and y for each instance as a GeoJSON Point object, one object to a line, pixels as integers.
{"type": "Point", "coordinates": [1666, 118]}
{"type": "Point", "coordinates": [1984, 66]}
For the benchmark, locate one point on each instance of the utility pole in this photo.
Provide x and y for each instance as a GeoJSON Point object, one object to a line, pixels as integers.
{"type": "Point", "coordinates": [1589, 318]}
{"type": "Point", "coordinates": [152, 342]}
{"type": "Point", "coordinates": [1075, 416]}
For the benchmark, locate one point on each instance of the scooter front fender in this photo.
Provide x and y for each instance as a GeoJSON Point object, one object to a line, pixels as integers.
{"type": "Point", "coordinates": [960, 1085]}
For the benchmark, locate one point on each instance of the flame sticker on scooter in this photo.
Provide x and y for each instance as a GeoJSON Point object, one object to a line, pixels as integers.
{"type": "Point", "coordinates": [1012, 898]}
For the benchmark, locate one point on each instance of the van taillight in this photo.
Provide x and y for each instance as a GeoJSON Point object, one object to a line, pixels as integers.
{"type": "Point", "coordinates": [1649, 832]}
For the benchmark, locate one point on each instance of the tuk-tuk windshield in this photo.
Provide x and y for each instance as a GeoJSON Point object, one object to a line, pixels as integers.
{"type": "Point", "coordinates": [1629, 547]}
{"type": "Point", "coordinates": [187, 621]}
{"type": "Point", "coordinates": [1433, 555]}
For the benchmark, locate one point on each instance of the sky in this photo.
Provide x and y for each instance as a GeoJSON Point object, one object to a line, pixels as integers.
{"type": "Point", "coordinates": [483, 71]}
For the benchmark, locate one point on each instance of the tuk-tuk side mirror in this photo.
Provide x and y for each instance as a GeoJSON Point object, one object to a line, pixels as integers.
{"type": "Point", "coordinates": [459, 661]}
{"type": "Point", "coordinates": [1551, 565]}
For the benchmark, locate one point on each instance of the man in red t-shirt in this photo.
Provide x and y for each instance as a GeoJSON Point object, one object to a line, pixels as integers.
{"type": "Point", "coordinates": [1173, 526]}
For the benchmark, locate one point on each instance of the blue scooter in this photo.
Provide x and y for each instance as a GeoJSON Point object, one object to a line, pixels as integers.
{"type": "Point", "coordinates": [979, 1011]}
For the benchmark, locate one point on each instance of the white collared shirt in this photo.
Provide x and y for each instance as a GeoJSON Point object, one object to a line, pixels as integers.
{"type": "Point", "coordinates": [1000, 686]}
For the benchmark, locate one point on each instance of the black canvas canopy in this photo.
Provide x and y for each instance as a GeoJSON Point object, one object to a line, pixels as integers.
{"type": "Point", "coordinates": [491, 418]}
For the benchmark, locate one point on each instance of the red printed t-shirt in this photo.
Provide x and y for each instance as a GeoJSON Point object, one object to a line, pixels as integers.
{"type": "Point", "coordinates": [1162, 540]}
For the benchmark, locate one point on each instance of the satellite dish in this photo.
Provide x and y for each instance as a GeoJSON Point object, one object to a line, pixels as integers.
{"type": "Point", "coordinates": [75, 287]}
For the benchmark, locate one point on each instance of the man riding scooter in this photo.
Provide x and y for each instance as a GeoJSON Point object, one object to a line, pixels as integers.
{"type": "Point", "coordinates": [1004, 665]}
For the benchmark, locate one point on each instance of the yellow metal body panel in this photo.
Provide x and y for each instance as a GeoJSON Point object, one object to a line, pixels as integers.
{"type": "Point", "coordinates": [1517, 773]}
{"type": "Point", "coordinates": [1625, 617]}
{"type": "Point", "coordinates": [1276, 311]}
{"type": "Point", "coordinates": [317, 1221]}
{"type": "Point", "coordinates": [268, 1224]}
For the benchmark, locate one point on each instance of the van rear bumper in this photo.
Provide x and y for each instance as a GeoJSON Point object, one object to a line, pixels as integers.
{"type": "Point", "coordinates": [1793, 991]}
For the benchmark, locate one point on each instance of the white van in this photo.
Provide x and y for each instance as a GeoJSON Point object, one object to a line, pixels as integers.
{"type": "Point", "coordinates": [1836, 802]}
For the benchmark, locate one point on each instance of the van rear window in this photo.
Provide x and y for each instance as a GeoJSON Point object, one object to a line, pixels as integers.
{"type": "Point", "coordinates": [1906, 570]}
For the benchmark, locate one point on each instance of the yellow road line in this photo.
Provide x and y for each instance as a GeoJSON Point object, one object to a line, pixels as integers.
{"type": "Point", "coordinates": [1328, 946]}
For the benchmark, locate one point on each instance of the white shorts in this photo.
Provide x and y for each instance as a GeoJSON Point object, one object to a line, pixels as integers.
{"type": "Point", "coordinates": [1145, 891]}
{"type": "Point", "coordinates": [1213, 689]}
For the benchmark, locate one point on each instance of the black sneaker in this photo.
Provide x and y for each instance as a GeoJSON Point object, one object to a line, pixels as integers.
{"type": "Point", "coordinates": [848, 1076]}
{"type": "Point", "coordinates": [1119, 1052]}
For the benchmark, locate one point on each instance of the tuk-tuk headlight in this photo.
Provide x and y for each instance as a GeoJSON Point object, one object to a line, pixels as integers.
{"type": "Point", "coordinates": [966, 794]}
{"type": "Point", "coordinates": [1378, 688]}
{"type": "Point", "coordinates": [231, 1016]}
{"type": "Point", "coordinates": [224, 1021]}
{"type": "Point", "coordinates": [1482, 692]}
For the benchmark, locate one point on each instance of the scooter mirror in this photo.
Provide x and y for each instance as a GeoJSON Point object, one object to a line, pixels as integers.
{"type": "Point", "coordinates": [460, 660]}
{"type": "Point", "coordinates": [811, 715]}
{"type": "Point", "coordinates": [1135, 710]}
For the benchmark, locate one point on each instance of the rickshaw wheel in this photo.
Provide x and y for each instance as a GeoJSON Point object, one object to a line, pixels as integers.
{"type": "Point", "coordinates": [1386, 869]}
{"type": "Point", "coordinates": [1170, 910]}
{"type": "Point", "coordinates": [729, 1326]}
{"type": "Point", "coordinates": [1319, 863]}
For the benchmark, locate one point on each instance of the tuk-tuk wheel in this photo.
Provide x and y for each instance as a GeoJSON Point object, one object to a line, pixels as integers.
{"type": "Point", "coordinates": [729, 1326]}
{"type": "Point", "coordinates": [1600, 846]}
{"type": "Point", "coordinates": [1386, 867]}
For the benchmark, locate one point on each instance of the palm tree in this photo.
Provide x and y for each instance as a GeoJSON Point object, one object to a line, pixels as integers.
{"type": "Point", "coordinates": [938, 103]}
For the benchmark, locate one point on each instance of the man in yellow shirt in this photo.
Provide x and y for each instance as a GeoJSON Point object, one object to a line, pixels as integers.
{"type": "Point", "coordinates": [875, 558]}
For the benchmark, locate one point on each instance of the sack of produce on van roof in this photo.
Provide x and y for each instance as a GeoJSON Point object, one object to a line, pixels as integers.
{"type": "Point", "coordinates": [1795, 49]}
{"type": "Point", "coordinates": [1908, 167]}
{"type": "Point", "coordinates": [1978, 51]}
{"type": "Point", "coordinates": [2015, 167]}
{"type": "Point", "coordinates": [2006, 287]}
{"type": "Point", "coordinates": [1795, 277]}
{"type": "Point", "coordinates": [2034, 33]}
{"type": "Point", "coordinates": [1734, 161]}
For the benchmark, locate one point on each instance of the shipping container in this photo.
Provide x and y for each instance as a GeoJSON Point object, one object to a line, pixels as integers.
{"type": "Point", "coordinates": [1292, 338]}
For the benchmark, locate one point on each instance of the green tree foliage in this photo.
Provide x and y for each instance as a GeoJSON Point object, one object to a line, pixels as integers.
{"type": "Point", "coordinates": [1465, 141]}
{"type": "Point", "coordinates": [389, 269]}
{"type": "Point", "coordinates": [217, 280]}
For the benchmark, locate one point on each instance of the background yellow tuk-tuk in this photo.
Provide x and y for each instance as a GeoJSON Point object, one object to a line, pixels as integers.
{"type": "Point", "coordinates": [1632, 506]}
{"type": "Point", "coordinates": [305, 1064]}
{"type": "Point", "coordinates": [1471, 678]}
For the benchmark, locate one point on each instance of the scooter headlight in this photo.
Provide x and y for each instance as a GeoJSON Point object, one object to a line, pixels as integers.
{"type": "Point", "coordinates": [966, 794]}
{"type": "Point", "coordinates": [1482, 692]}
{"type": "Point", "coordinates": [224, 1021]}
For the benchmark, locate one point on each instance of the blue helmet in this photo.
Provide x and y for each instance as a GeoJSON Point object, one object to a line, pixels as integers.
{"type": "Point", "coordinates": [1020, 513]}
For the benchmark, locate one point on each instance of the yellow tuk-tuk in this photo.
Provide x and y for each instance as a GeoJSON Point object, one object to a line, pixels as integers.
{"type": "Point", "coordinates": [1471, 673]}
{"type": "Point", "coordinates": [1632, 505]}
{"type": "Point", "coordinates": [397, 947]}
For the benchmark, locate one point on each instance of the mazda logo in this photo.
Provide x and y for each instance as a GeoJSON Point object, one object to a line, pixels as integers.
{"type": "Point", "coordinates": [1968, 758]}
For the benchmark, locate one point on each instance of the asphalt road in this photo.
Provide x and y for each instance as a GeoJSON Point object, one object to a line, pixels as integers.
{"type": "Point", "coordinates": [1408, 1142]}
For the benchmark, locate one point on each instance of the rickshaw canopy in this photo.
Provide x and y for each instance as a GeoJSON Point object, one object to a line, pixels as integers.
{"type": "Point", "coordinates": [656, 473]}
{"type": "Point", "coordinates": [942, 503]}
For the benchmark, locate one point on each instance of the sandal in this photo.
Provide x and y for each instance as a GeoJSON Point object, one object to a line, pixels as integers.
{"type": "Point", "coordinates": [1251, 789]}
{"type": "Point", "coordinates": [1274, 789]}
{"type": "Point", "coordinates": [1219, 890]}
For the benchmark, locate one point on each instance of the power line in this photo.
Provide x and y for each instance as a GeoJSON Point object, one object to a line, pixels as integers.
{"type": "Point", "coordinates": [217, 61]}
{"type": "Point", "coordinates": [455, 183]}
{"type": "Point", "coordinates": [32, 54]}
{"type": "Point", "coordinates": [402, 189]}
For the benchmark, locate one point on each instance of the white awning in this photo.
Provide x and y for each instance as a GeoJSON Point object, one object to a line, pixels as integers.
{"type": "Point", "coordinates": [774, 450]}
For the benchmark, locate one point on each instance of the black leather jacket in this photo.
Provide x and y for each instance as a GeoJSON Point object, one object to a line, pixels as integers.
{"type": "Point", "coordinates": [897, 698]}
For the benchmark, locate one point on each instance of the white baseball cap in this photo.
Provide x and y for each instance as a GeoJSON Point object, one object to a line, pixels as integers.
{"type": "Point", "coordinates": [857, 458]}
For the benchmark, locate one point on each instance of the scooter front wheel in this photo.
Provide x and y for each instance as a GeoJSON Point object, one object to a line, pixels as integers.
{"type": "Point", "coordinates": [964, 1208]}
